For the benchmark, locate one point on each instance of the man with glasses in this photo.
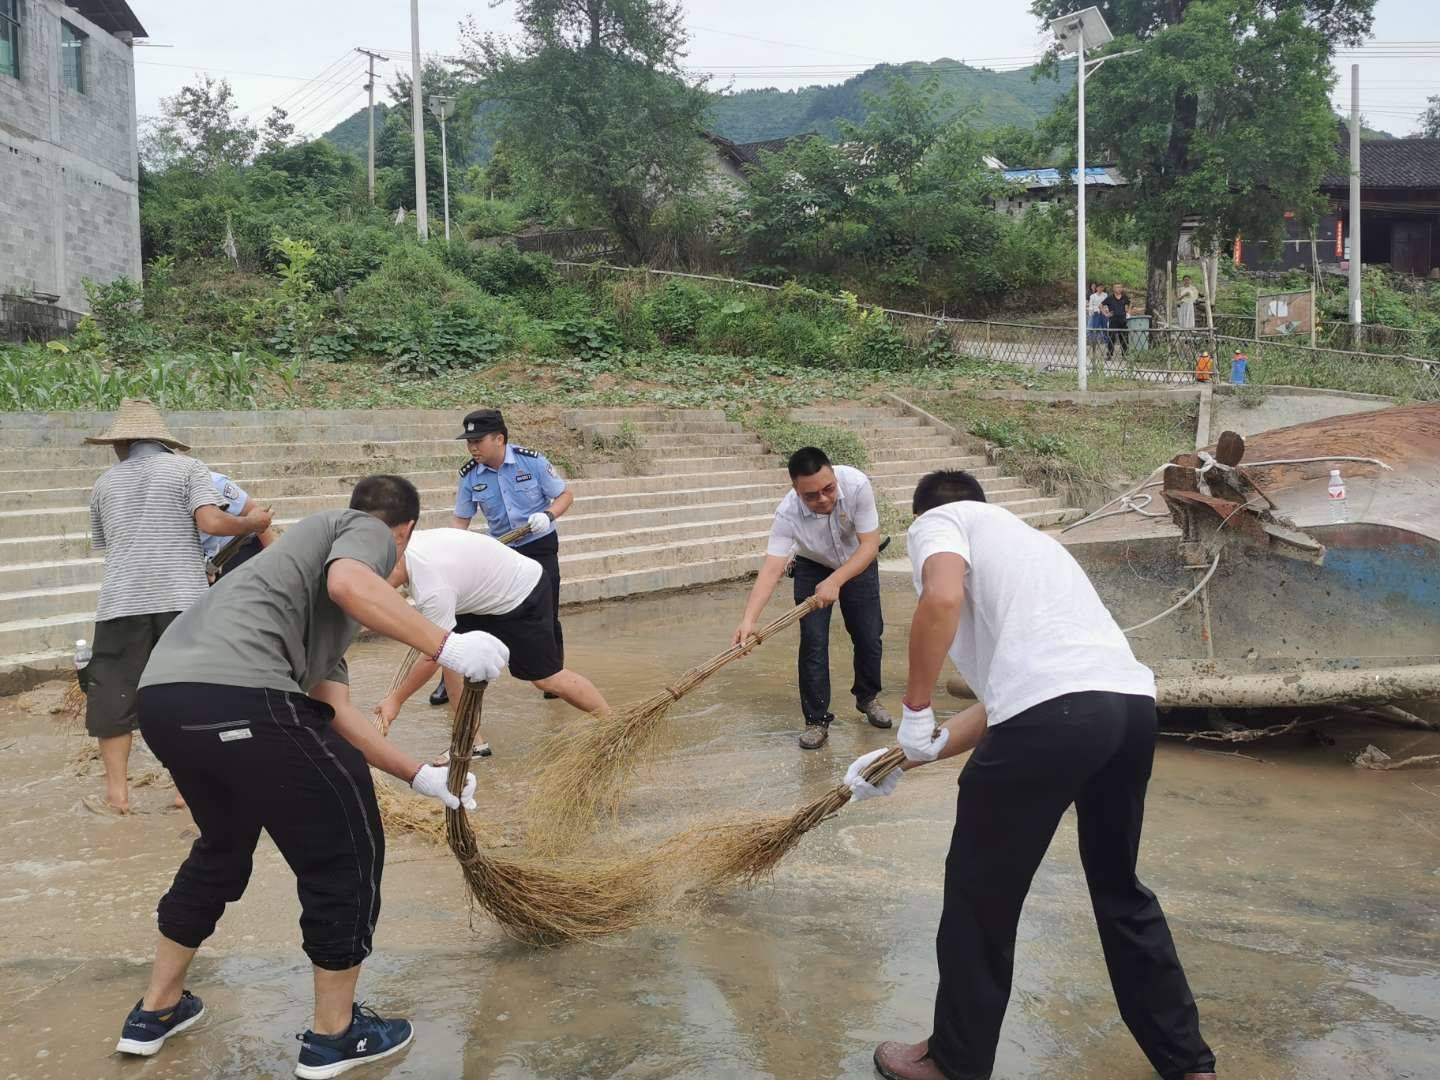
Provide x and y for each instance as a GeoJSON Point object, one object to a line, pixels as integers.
{"type": "Point", "coordinates": [830, 524]}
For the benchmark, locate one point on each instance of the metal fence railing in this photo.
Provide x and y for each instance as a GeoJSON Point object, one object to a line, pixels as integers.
{"type": "Point", "coordinates": [1367, 338]}
{"type": "Point", "coordinates": [1161, 355]}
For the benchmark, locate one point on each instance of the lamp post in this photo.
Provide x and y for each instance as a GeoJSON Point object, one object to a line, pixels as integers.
{"type": "Point", "coordinates": [422, 209]}
{"type": "Point", "coordinates": [441, 105]}
{"type": "Point", "coordinates": [1075, 33]}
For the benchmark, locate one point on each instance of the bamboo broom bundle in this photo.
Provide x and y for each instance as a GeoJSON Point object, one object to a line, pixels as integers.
{"type": "Point", "coordinates": [412, 656]}
{"type": "Point", "coordinates": [584, 771]}
{"type": "Point", "coordinates": [549, 904]}
{"type": "Point", "coordinates": [748, 851]}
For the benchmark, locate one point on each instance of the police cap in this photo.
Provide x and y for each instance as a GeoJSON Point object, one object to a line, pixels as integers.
{"type": "Point", "coordinates": [482, 422]}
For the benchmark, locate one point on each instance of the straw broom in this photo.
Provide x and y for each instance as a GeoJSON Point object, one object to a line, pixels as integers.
{"type": "Point", "coordinates": [551, 904]}
{"type": "Point", "coordinates": [748, 851]}
{"type": "Point", "coordinates": [583, 773]}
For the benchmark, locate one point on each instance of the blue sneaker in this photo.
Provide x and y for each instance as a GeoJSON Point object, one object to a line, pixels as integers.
{"type": "Point", "coordinates": [370, 1037]}
{"type": "Point", "coordinates": [145, 1032]}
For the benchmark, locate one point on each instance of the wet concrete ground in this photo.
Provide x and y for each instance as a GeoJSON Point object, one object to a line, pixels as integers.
{"type": "Point", "coordinates": [1302, 893]}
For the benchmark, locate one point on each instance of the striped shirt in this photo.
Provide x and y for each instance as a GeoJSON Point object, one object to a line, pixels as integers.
{"type": "Point", "coordinates": [142, 515]}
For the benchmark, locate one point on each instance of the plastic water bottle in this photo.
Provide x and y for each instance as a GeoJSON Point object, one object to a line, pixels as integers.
{"type": "Point", "coordinates": [1337, 497]}
{"type": "Point", "coordinates": [82, 654]}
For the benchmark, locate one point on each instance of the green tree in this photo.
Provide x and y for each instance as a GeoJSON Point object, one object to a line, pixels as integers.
{"type": "Point", "coordinates": [1430, 118]}
{"type": "Point", "coordinates": [278, 132]}
{"type": "Point", "coordinates": [1222, 115]}
{"type": "Point", "coordinates": [595, 105]}
{"type": "Point", "coordinates": [902, 204]}
{"type": "Point", "coordinates": [201, 127]}
{"type": "Point", "coordinates": [395, 139]}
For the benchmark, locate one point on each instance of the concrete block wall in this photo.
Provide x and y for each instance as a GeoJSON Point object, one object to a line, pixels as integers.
{"type": "Point", "coordinates": [69, 195]}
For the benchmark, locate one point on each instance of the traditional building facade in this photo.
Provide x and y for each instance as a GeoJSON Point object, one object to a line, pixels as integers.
{"type": "Point", "coordinates": [69, 163]}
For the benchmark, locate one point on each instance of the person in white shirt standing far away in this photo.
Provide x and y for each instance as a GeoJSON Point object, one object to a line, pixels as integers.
{"type": "Point", "coordinates": [830, 524]}
{"type": "Point", "coordinates": [1066, 714]}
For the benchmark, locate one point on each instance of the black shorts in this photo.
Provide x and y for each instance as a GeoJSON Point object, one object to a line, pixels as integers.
{"type": "Point", "coordinates": [121, 650]}
{"type": "Point", "coordinates": [528, 631]}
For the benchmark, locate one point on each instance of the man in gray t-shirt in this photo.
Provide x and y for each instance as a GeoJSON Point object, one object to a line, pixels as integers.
{"type": "Point", "coordinates": [246, 701]}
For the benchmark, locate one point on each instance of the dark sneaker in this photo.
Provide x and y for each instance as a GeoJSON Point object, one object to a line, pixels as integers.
{"type": "Point", "coordinates": [440, 696]}
{"type": "Point", "coordinates": [369, 1038]}
{"type": "Point", "coordinates": [548, 696]}
{"type": "Point", "coordinates": [145, 1032]}
{"type": "Point", "coordinates": [814, 736]}
{"type": "Point", "coordinates": [482, 749]}
{"type": "Point", "coordinates": [876, 714]}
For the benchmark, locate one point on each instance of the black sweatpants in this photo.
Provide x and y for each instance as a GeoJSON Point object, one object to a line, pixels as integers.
{"type": "Point", "coordinates": [247, 760]}
{"type": "Point", "coordinates": [546, 551]}
{"type": "Point", "coordinates": [1094, 750]}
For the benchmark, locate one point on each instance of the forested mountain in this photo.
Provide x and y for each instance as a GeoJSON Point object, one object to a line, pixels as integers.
{"type": "Point", "coordinates": [989, 98]}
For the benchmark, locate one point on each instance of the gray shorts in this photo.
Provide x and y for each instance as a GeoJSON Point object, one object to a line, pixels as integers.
{"type": "Point", "coordinates": [121, 650]}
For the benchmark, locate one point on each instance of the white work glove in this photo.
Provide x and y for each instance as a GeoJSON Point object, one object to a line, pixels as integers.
{"type": "Point", "coordinates": [432, 781]}
{"type": "Point", "coordinates": [917, 735]}
{"type": "Point", "coordinates": [539, 523]}
{"type": "Point", "coordinates": [860, 788]}
{"type": "Point", "coordinates": [476, 655]}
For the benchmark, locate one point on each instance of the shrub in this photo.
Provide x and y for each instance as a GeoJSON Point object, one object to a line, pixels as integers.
{"type": "Point", "coordinates": [674, 310]}
{"type": "Point", "coordinates": [589, 339]}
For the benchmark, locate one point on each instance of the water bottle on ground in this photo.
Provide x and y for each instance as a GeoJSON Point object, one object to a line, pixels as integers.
{"type": "Point", "coordinates": [82, 654]}
{"type": "Point", "coordinates": [1337, 498]}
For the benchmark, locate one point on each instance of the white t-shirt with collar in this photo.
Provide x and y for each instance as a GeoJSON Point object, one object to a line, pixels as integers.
{"type": "Point", "coordinates": [453, 571]}
{"type": "Point", "coordinates": [828, 539]}
{"type": "Point", "coordinates": [1032, 628]}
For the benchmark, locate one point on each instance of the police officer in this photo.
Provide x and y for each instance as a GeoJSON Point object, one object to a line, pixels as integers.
{"type": "Point", "coordinates": [236, 502]}
{"type": "Point", "coordinates": [512, 486]}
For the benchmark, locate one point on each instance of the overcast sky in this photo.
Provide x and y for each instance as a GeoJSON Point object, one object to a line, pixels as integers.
{"type": "Point", "coordinates": [298, 53]}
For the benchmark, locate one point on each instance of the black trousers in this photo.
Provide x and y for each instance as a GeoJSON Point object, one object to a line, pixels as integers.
{"type": "Point", "coordinates": [247, 760]}
{"type": "Point", "coordinates": [1093, 750]}
{"type": "Point", "coordinates": [546, 551]}
{"type": "Point", "coordinates": [860, 607]}
{"type": "Point", "coordinates": [1120, 334]}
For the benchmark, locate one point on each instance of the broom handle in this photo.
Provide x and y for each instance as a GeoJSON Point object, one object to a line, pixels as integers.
{"type": "Point", "coordinates": [514, 534]}
{"type": "Point", "coordinates": [462, 738]}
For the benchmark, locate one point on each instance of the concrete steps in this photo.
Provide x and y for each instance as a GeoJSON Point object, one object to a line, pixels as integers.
{"type": "Point", "coordinates": [902, 448]}
{"type": "Point", "coordinates": [694, 505]}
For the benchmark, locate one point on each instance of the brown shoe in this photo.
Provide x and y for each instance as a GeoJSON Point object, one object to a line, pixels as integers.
{"type": "Point", "coordinates": [814, 736]}
{"type": "Point", "coordinates": [899, 1061]}
{"type": "Point", "coordinates": [877, 714]}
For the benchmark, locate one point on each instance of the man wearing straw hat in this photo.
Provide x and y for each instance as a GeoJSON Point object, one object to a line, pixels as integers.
{"type": "Point", "coordinates": [1066, 716]}
{"type": "Point", "coordinates": [471, 581]}
{"type": "Point", "coordinates": [246, 701]}
{"type": "Point", "coordinates": [146, 513]}
{"type": "Point", "coordinates": [830, 524]}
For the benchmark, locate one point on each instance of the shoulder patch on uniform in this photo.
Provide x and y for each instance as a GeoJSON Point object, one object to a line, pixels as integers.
{"type": "Point", "coordinates": [526, 452]}
{"type": "Point", "coordinates": [468, 467]}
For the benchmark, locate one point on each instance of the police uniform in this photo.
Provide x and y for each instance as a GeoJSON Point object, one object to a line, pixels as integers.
{"type": "Point", "coordinates": [234, 500]}
{"type": "Point", "coordinates": [524, 483]}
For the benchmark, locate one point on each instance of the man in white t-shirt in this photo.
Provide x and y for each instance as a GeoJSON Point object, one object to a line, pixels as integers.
{"type": "Point", "coordinates": [470, 581]}
{"type": "Point", "coordinates": [829, 523]}
{"type": "Point", "coordinates": [1066, 715]}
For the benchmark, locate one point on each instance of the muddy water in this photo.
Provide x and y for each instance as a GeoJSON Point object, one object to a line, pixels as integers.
{"type": "Point", "coordinates": [1302, 893]}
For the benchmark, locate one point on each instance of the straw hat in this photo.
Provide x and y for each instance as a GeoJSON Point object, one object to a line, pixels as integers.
{"type": "Point", "coordinates": [137, 420]}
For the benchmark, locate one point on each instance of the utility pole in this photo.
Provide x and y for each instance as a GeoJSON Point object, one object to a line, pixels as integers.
{"type": "Point", "coordinates": [370, 88]}
{"type": "Point", "coordinates": [422, 210]}
{"type": "Point", "coordinates": [1355, 311]}
{"type": "Point", "coordinates": [440, 105]}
